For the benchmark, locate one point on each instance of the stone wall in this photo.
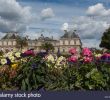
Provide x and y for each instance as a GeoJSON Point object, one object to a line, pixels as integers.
{"type": "Point", "coordinates": [63, 44]}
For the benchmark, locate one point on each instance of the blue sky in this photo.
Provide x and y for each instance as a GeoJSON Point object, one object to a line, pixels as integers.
{"type": "Point", "coordinates": [32, 17]}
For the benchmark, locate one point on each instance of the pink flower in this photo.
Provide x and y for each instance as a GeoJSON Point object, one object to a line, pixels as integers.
{"type": "Point", "coordinates": [73, 51]}
{"type": "Point", "coordinates": [29, 52]}
{"type": "Point", "coordinates": [86, 52]}
{"type": "Point", "coordinates": [72, 59]}
{"type": "Point", "coordinates": [88, 59]}
{"type": "Point", "coordinates": [106, 54]}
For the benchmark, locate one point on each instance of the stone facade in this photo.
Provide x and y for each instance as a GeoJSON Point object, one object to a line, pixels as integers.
{"type": "Point", "coordinates": [67, 41]}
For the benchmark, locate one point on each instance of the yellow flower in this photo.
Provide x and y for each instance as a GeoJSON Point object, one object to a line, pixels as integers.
{"type": "Point", "coordinates": [60, 59]}
{"type": "Point", "coordinates": [12, 58]}
{"type": "Point", "coordinates": [14, 66]}
{"type": "Point", "coordinates": [23, 60]}
{"type": "Point", "coordinates": [97, 55]}
{"type": "Point", "coordinates": [18, 54]}
{"type": "Point", "coordinates": [14, 50]}
{"type": "Point", "coordinates": [61, 62]}
{"type": "Point", "coordinates": [3, 61]}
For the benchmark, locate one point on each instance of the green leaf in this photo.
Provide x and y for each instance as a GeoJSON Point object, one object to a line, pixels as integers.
{"type": "Point", "coordinates": [23, 87]}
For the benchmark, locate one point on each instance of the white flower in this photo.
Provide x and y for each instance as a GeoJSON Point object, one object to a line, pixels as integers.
{"type": "Point", "coordinates": [50, 58]}
{"type": "Point", "coordinates": [3, 61]}
{"type": "Point", "coordinates": [18, 54]}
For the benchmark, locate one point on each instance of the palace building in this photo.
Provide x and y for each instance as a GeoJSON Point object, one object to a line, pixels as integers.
{"type": "Point", "coordinates": [68, 40]}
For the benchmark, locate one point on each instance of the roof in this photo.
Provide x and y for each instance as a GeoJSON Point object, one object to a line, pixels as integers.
{"type": "Point", "coordinates": [12, 35]}
{"type": "Point", "coordinates": [70, 34]}
{"type": "Point", "coordinates": [45, 38]}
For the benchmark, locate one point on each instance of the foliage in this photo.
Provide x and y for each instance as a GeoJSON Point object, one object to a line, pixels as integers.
{"type": "Point", "coordinates": [21, 42]}
{"type": "Point", "coordinates": [47, 46]}
{"type": "Point", "coordinates": [44, 71]}
{"type": "Point", "coordinates": [32, 74]}
{"type": "Point", "coordinates": [105, 42]}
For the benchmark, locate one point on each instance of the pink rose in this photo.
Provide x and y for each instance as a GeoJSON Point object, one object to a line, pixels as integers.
{"type": "Point", "coordinates": [86, 52]}
{"type": "Point", "coordinates": [73, 51]}
{"type": "Point", "coordinates": [106, 54]}
{"type": "Point", "coordinates": [72, 59]}
{"type": "Point", "coordinates": [29, 52]}
{"type": "Point", "coordinates": [88, 59]}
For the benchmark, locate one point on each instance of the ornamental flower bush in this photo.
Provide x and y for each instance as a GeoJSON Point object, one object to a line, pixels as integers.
{"type": "Point", "coordinates": [73, 51]}
{"type": "Point", "coordinates": [72, 59]}
{"type": "Point", "coordinates": [86, 52]}
{"type": "Point", "coordinates": [29, 70]}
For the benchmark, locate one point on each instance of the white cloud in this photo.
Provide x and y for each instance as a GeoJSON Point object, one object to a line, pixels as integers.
{"type": "Point", "coordinates": [13, 16]}
{"type": "Point", "coordinates": [98, 10]}
{"type": "Point", "coordinates": [89, 28]}
{"type": "Point", "coordinates": [47, 13]}
{"type": "Point", "coordinates": [65, 26]}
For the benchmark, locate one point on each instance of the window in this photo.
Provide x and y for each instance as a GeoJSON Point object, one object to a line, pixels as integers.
{"type": "Point", "coordinates": [5, 43]}
{"type": "Point", "coordinates": [9, 43]}
{"type": "Point", "coordinates": [72, 42]}
{"type": "Point", "coordinates": [33, 44]}
{"type": "Point", "coordinates": [66, 42]}
{"type": "Point", "coordinates": [0, 43]}
{"type": "Point", "coordinates": [14, 42]}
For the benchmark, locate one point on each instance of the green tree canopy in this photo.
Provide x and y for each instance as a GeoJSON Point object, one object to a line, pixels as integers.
{"type": "Point", "coordinates": [105, 41]}
{"type": "Point", "coordinates": [21, 42]}
{"type": "Point", "coordinates": [47, 46]}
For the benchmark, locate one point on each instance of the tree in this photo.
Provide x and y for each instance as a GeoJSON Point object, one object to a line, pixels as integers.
{"type": "Point", "coordinates": [105, 42]}
{"type": "Point", "coordinates": [21, 42]}
{"type": "Point", "coordinates": [47, 46]}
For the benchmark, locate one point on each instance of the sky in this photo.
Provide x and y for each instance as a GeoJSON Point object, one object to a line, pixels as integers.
{"type": "Point", "coordinates": [50, 17]}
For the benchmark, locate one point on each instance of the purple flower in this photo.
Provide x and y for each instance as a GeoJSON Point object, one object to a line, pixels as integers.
{"type": "Point", "coordinates": [23, 55]}
{"type": "Point", "coordinates": [34, 65]}
{"type": "Point", "coordinates": [8, 61]}
{"type": "Point", "coordinates": [42, 54]}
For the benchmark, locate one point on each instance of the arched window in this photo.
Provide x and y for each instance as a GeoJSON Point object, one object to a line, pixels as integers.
{"type": "Point", "coordinates": [5, 43]}
{"type": "Point", "coordinates": [0, 43]}
{"type": "Point", "coordinates": [9, 43]}
{"type": "Point", "coordinates": [66, 42]}
{"type": "Point", "coordinates": [14, 43]}
{"type": "Point", "coordinates": [72, 42]}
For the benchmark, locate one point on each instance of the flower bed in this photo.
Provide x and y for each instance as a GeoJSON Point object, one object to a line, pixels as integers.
{"type": "Point", "coordinates": [44, 72]}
